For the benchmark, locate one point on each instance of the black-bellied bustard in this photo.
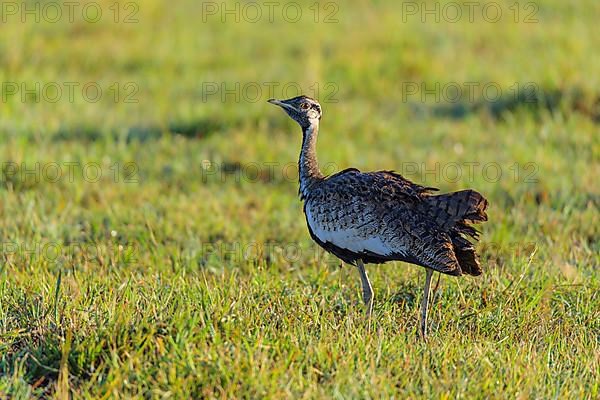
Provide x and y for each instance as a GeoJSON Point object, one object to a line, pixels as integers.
{"type": "Point", "coordinates": [375, 217]}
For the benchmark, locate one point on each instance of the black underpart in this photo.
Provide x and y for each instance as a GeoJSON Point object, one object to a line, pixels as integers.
{"type": "Point", "coordinates": [350, 257]}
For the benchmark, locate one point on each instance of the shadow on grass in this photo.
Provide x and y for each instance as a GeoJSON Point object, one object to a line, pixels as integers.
{"type": "Point", "coordinates": [34, 349]}
{"type": "Point", "coordinates": [533, 101]}
{"type": "Point", "coordinates": [34, 339]}
{"type": "Point", "coordinates": [405, 296]}
{"type": "Point", "coordinates": [193, 129]}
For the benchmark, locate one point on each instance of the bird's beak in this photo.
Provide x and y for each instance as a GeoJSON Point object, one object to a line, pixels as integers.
{"type": "Point", "coordinates": [280, 104]}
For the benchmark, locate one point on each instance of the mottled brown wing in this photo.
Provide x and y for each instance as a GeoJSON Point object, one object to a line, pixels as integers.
{"type": "Point", "coordinates": [379, 217]}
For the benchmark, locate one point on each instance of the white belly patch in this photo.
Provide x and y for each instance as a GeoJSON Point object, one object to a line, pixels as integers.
{"type": "Point", "coordinates": [349, 239]}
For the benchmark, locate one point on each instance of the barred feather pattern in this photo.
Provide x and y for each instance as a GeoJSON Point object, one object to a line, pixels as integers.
{"type": "Point", "coordinates": [381, 216]}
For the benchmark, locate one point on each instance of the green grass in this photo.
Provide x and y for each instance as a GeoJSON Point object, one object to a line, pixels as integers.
{"type": "Point", "coordinates": [186, 269]}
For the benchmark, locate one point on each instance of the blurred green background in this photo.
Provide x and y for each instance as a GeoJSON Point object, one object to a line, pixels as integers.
{"type": "Point", "coordinates": [217, 290]}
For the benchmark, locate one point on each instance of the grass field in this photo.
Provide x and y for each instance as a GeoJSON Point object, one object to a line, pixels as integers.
{"type": "Point", "coordinates": [154, 245]}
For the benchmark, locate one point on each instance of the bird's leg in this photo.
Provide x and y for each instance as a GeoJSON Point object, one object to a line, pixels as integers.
{"type": "Point", "coordinates": [425, 302]}
{"type": "Point", "coordinates": [367, 289]}
{"type": "Point", "coordinates": [435, 289]}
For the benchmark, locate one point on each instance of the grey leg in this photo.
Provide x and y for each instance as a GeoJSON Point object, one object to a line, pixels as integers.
{"type": "Point", "coordinates": [367, 290]}
{"type": "Point", "coordinates": [425, 302]}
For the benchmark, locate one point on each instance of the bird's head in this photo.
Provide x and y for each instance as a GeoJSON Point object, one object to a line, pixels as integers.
{"type": "Point", "coordinates": [302, 109]}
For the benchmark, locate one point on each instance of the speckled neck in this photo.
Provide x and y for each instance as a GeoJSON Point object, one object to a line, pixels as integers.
{"type": "Point", "coordinates": [308, 165]}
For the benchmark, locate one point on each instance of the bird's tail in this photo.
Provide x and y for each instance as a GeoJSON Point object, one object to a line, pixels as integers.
{"type": "Point", "coordinates": [454, 212]}
{"type": "Point", "coordinates": [466, 256]}
{"type": "Point", "coordinates": [458, 208]}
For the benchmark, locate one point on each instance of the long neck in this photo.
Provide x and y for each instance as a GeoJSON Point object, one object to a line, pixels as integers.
{"type": "Point", "coordinates": [307, 164]}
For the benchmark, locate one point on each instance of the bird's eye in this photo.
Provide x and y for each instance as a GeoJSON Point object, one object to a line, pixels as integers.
{"type": "Point", "coordinates": [304, 106]}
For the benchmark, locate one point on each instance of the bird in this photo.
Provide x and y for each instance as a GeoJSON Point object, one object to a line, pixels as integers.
{"type": "Point", "coordinates": [377, 217]}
